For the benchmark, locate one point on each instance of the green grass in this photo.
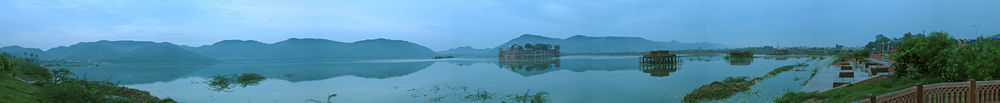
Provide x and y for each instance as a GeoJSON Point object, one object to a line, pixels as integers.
{"type": "Point", "coordinates": [849, 93]}
{"type": "Point", "coordinates": [61, 86]}
{"type": "Point", "coordinates": [17, 91]}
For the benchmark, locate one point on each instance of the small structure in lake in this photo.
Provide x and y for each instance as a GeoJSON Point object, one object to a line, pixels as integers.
{"type": "Point", "coordinates": [737, 54]}
{"type": "Point", "coordinates": [740, 57]}
{"type": "Point", "coordinates": [658, 63]}
{"type": "Point", "coordinates": [529, 51]}
{"type": "Point", "coordinates": [658, 57]}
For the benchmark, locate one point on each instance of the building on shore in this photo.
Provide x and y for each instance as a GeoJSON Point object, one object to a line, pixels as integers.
{"type": "Point", "coordinates": [529, 51]}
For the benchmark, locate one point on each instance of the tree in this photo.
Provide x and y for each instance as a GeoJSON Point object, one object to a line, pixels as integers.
{"type": "Point", "coordinates": [529, 46]}
{"type": "Point", "coordinates": [6, 64]}
{"type": "Point", "coordinates": [937, 56]}
{"type": "Point", "coordinates": [542, 47]}
{"type": "Point", "coordinates": [879, 39]}
{"type": "Point", "coordinates": [907, 35]}
{"type": "Point", "coordinates": [976, 61]}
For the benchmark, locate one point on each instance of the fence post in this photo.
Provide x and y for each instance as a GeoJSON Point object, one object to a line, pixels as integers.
{"type": "Point", "coordinates": [872, 98]}
{"type": "Point", "coordinates": [973, 91]}
{"type": "Point", "coordinates": [920, 93]}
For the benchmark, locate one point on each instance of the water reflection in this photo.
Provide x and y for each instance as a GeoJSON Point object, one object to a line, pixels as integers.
{"type": "Point", "coordinates": [328, 99]}
{"type": "Point", "coordinates": [297, 72]}
{"type": "Point", "coordinates": [530, 67]}
{"type": "Point", "coordinates": [133, 73]}
{"type": "Point", "coordinates": [740, 60]}
{"type": "Point", "coordinates": [621, 78]}
{"type": "Point", "coordinates": [449, 93]}
{"type": "Point", "coordinates": [781, 58]}
{"type": "Point", "coordinates": [659, 70]}
{"type": "Point", "coordinates": [292, 71]}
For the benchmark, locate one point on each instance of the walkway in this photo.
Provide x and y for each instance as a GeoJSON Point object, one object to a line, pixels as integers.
{"type": "Point", "coordinates": [823, 80]}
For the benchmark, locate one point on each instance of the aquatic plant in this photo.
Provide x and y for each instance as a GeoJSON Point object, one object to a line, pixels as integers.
{"type": "Point", "coordinates": [246, 79]}
{"type": "Point", "coordinates": [225, 82]}
{"type": "Point", "coordinates": [328, 98]}
{"type": "Point", "coordinates": [720, 90]}
{"type": "Point", "coordinates": [442, 93]}
{"type": "Point", "coordinates": [783, 69]}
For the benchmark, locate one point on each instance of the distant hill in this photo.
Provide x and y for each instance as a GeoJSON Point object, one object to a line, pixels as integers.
{"type": "Point", "coordinates": [20, 52]}
{"type": "Point", "coordinates": [586, 44]}
{"type": "Point", "coordinates": [233, 49]}
{"type": "Point", "coordinates": [294, 48]}
{"type": "Point", "coordinates": [469, 51]}
{"type": "Point", "coordinates": [309, 48]}
{"type": "Point", "coordinates": [126, 51]}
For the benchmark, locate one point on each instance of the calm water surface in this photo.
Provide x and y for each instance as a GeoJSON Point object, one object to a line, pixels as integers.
{"type": "Point", "coordinates": [568, 79]}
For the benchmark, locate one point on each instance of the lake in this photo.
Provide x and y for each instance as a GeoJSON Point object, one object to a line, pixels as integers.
{"type": "Point", "coordinates": [567, 79]}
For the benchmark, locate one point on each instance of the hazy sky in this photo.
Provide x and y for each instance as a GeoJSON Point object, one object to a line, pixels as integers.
{"type": "Point", "coordinates": [440, 24]}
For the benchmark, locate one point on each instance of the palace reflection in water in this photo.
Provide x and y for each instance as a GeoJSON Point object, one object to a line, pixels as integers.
{"type": "Point", "coordinates": [529, 66]}
{"type": "Point", "coordinates": [459, 80]}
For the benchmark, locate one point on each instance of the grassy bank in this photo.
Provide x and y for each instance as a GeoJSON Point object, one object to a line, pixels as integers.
{"type": "Point", "coordinates": [17, 91]}
{"type": "Point", "coordinates": [922, 58]}
{"type": "Point", "coordinates": [850, 93]}
{"type": "Point", "coordinates": [27, 82]}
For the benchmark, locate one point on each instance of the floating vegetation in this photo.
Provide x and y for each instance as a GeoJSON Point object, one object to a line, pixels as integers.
{"type": "Point", "coordinates": [226, 82]}
{"type": "Point", "coordinates": [703, 59]}
{"type": "Point", "coordinates": [720, 90]}
{"type": "Point", "coordinates": [782, 69]}
{"type": "Point", "coordinates": [814, 71]}
{"type": "Point", "coordinates": [463, 93]}
{"type": "Point", "coordinates": [538, 97]}
{"type": "Point", "coordinates": [732, 85]}
{"type": "Point", "coordinates": [328, 98]}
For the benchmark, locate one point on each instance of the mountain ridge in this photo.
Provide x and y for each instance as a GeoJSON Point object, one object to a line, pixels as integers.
{"type": "Point", "coordinates": [292, 48]}
{"type": "Point", "coordinates": [588, 44]}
